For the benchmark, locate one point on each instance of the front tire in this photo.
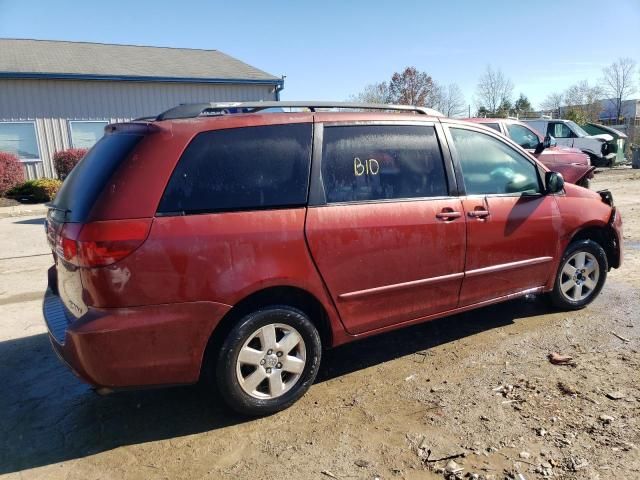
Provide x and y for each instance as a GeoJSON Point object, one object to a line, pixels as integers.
{"type": "Point", "coordinates": [584, 182]}
{"type": "Point", "coordinates": [268, 361]}
{"type": "Point", "coordinates": [581, 275]}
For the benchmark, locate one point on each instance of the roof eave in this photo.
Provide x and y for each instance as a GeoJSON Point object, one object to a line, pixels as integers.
{"type": "Point", "coordinates": [133, 78]}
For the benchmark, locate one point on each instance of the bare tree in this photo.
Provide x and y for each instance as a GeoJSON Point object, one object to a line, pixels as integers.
{"type": "Point", "coordinates": [618, 82]}
{"type": "Point", "coordinates": [553, 103]}
{"type": "Point", "coordinates": [412, 87]}
{"type": "Point", "coordinates": [373, 93]}
{"type": "Point", "coordinates": [583, 101]}
{"type": "Point", "coordinates": [494, 90]}
{"type": "Point", "coordinates": [449, 100]}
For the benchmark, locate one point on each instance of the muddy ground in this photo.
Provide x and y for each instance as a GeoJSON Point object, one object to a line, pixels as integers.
{"type": "Point", "coordinates": [476, 387]}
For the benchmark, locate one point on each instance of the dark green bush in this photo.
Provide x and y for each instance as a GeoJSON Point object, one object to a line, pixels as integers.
{"type": "Point", "coordinates": [40, 190]}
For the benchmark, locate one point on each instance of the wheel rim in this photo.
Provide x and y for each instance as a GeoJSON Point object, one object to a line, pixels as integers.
{"type": "Point", "coordinates": [271, 361]}
{"type": "Point", "coordinates": [579, 276]}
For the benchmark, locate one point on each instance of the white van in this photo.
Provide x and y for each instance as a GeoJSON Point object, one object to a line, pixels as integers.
{"type": "Point", "coordinates": [570, 134]}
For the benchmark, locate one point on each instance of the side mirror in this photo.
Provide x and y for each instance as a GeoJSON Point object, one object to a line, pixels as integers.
{"type": "Point", "coordinates": [548, 141]}
{"type": "Point", "coordinates": [554, 182]}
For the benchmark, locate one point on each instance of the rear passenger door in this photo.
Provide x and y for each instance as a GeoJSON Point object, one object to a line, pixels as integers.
{"type": "Point", "coordinates": [384, 225]}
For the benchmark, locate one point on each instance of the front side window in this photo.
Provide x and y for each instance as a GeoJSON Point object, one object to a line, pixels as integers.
{"type": "Point", "coordinates": [241, 169]}
{"type": "Point", "coordinates": [523, 136]}
{"type": "Point", "coordinates": [577, 129]}
{"type": "Point", "coordinates": [559, 130]}
{"type": "Point", "coordinates": [489, 166]}
{"type": "Point", "coordinates": [20, 139]}
{"type": "Point", "coordinates": [86, 134]}
{"type": "Point", "coordinates": [380, 162]}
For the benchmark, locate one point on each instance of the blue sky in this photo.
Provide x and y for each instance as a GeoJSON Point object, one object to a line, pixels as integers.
{"type": "Point", "coordinates": [331, 49]}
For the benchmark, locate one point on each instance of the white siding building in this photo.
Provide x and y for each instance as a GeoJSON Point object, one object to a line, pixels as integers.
{"type": "Point", "coordinates": [56, 95]}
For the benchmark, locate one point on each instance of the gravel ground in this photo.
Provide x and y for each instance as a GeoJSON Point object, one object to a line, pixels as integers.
{"type": "Point", "coordinates": [476, 387]}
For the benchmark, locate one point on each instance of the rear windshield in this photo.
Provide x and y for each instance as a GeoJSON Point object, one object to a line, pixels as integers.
{"type": "Point", "coordinates": [85, 182]}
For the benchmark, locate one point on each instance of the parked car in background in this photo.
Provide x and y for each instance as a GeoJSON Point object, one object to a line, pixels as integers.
{"type": "Point", "coordinates": [617, 145]}
{"type": "Point", "coordinates": [569, 134]}
{"type": "Point", "coordinates": [574, 165]}
{"type": "Point", "coordinates": [233, 248]}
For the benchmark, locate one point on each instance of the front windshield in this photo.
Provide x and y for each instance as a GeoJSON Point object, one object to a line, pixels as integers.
{"type": "Point", "coordinates": [577, 129]}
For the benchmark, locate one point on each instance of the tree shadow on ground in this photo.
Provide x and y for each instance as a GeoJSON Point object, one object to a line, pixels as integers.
{"type": "Point", "coordinates": [49, 416]}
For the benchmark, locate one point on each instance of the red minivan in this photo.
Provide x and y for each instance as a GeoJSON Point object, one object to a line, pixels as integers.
{"type": "Point", "coordinates": [231, 243]}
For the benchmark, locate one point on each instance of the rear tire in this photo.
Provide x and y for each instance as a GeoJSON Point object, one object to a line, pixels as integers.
{"type": "Point", "coordinates": [581, 275]}
{"type": "Point", "coordinates": [268, 361]}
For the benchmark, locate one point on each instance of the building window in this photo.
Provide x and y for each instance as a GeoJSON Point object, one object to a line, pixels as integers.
{"type": "Point", "coordinates": [86, 134]}
{"type": "Point", "coordinates": [20, 139]}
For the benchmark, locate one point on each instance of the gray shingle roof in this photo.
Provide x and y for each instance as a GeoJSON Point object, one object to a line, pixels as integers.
{"type": "Point", "coordinates": [46, 57]}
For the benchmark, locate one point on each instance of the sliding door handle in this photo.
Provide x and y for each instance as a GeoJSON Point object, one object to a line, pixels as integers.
{"type": "Point", "coordinates": [478, 213]}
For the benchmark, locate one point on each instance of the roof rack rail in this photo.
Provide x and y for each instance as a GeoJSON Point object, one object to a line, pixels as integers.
{"type": "Point", "coordinates": [191, 110]}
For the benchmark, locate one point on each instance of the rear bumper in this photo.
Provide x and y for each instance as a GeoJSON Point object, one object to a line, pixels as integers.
{"type": "Point", "coordinates": [136, 346]}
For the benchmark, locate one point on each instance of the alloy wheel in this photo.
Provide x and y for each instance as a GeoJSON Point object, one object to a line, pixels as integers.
{"type": "Point", "coordinates": [271, 361]}
{"type": "Point", "coordinates": [579, 276]}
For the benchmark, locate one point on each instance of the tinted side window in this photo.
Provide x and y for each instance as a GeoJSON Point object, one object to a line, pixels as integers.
{"type": "Point", "coordinates": [242, 168]}
{"type": "Point", "coordinates": [490, 166]}
{"type": "Point", "coordinates": [523, 136]}
{"type": "Point", "coordinates": [376, 162]}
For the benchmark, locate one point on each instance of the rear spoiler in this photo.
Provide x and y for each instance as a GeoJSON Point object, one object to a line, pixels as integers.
{"type": "Point", "coordinates": [136, 127]}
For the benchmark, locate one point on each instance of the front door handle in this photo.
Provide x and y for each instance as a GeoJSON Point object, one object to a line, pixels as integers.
{"type": "Point", "coordinates": [478, 213]}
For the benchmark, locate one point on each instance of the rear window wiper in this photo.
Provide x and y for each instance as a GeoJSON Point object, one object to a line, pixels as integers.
{"type": "Point", "coordinates": [64, 211]}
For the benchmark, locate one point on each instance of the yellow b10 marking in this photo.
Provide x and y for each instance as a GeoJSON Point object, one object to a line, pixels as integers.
{"type": "Point", "coordinates": [369, 167]}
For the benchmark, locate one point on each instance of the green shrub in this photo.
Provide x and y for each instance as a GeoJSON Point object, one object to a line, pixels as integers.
{"type": "Point", "coordinates": [40, 190]}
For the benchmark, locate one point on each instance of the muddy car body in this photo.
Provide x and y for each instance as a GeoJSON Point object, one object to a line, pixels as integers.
{"type": "Point", "coordinates": [574, 165]}
{"type": "Point", "coordinates": [232, 248]}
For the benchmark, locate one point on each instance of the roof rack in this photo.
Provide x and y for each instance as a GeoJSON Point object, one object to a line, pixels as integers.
{"type": "Point", "coordinates": [191, 110]}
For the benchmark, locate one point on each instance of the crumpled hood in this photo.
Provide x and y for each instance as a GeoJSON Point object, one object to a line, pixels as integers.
{"type": "Point", "coordinates": [565, 155]}
{"type": "Point", "coordinates": [603, 136]}
{"type": "Point", "coordinates": [567, 149]}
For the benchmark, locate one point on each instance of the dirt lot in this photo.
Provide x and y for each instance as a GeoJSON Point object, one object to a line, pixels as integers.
{"type": "Point", "coordinates": [477, 387]}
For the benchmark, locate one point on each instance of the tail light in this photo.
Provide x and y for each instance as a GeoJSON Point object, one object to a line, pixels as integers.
{"type": "Point", "coordinates": [98, 244]}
